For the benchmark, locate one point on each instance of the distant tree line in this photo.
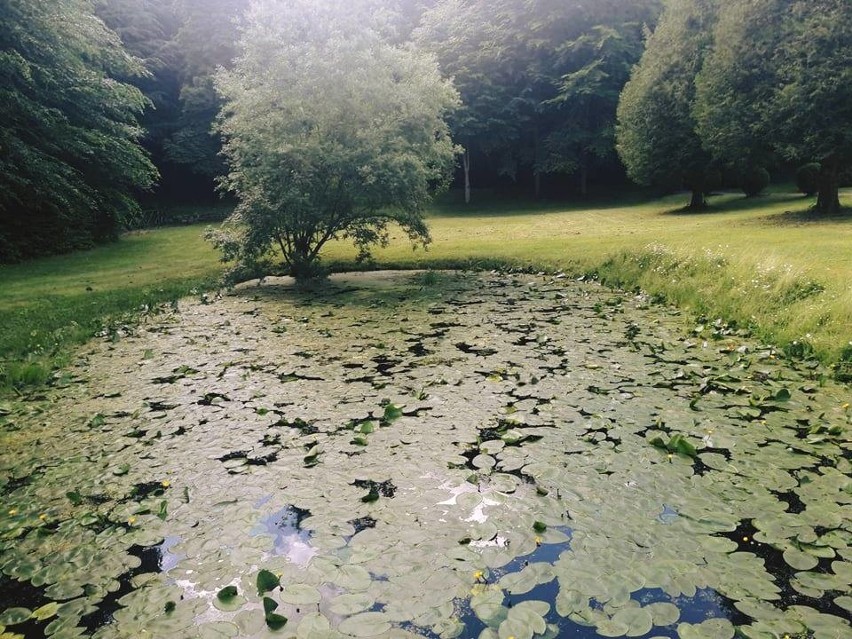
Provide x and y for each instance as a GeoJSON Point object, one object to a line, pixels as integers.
{"type": "Point", "coordinates": [105, 103]}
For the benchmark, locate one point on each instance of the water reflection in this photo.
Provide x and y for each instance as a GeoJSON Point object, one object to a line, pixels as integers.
{"type": "Point", "coordinates": [703, 605]}
{"type": "Point", "coordinates": [289, 539]}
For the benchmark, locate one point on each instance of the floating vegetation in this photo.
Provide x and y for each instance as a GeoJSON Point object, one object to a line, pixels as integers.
{"type": "Point", "coordinates": [485, 457]}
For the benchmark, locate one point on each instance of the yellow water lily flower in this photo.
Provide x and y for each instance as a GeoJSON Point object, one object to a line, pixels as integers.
{"type": "Point", "coordinates": [846, 406]}
{"type": "Point", "coordinates": [165, 483]}
{"type": "Point", "coordinates": [13, 512]}
{"type": "Point", "coordinates": [538, 541]}
{"type": "Point", "coordinates": [131, 520]}
{"type": "Point", "coordinates": [42, 516]}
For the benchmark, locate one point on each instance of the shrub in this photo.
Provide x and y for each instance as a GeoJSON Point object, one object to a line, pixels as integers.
{"type": "Point", "coordinates": [807, 179]}
{"type": "Point", "coordinates": [754, 181]}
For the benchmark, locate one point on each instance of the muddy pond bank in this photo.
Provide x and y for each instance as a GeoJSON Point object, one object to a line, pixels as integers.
{"type": "Point", "coordinates": [433, 455]}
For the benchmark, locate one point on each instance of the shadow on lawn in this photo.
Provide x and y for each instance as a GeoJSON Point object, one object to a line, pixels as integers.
{"type": "Point", "coordinates": [736, 204]}
{"type": "Point", "coordinates": [807, 218]}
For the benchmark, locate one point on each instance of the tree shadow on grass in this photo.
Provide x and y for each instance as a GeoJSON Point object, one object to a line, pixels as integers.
{"type": "Point", "coordinates": [808, 217]}
{"type": "Point", "coordinates": [736, 203]}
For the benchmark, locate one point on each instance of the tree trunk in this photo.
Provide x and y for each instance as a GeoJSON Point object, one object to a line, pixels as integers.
{"type": "Point", "coordinates": [466, 163]}
{"type": "Point", "coordinates": [698, 202]}
{"type": "Point", "coordinates": [828, 198]}
{"type": "Point", "coordinates": [584, 177]}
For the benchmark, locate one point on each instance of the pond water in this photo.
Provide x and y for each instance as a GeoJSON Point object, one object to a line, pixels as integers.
{"type": "Point", "coordinates": [440, 455]}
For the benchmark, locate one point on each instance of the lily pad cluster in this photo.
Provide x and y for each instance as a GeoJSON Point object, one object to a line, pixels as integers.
{"type": "Point", "coordinates": [489, 456]}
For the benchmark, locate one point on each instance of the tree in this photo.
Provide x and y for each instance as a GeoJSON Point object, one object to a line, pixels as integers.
{"type": "Point", "coordinates": [539, 79]}
{"type": "Point", "coordinates": [605, 41]}
{"type": "Point", "coordinates": [330, 132]}
{"type": "Point", "coordinates": [656, 133]}
{"type": "Point", "coordinates": [68, 129]}
{"type": "Point", "coordinates": [779, 80]}
{"type": "Point", "coordinates": [473, 50]}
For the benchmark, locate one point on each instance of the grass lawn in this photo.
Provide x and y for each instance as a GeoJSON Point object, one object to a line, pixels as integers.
{"type": "Point", "coordinates": [48, 304]}
{"type": "Point", "coordinates": [763, 262]}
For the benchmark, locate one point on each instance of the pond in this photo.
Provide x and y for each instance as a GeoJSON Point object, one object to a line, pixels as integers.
{"type": "Point", "coordinates": [427, 455]}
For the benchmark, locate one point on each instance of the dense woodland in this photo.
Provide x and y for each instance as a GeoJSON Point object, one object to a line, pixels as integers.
{"type": "Point", "coordinates": [105, 104]}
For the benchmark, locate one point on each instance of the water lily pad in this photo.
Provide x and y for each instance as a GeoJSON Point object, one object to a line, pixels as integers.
{"type": "Point", "coordinates": [488, 606]}
{"type": "Point", "coordinates": [227, 593]}
{"type": "Point", "coordinates": [523, 625]}
{"type": "Point", "coordinates": [663, 613]}
{"type": "Point", "coordinates": [275, 621]}
{"type": "Point", "coordinates": [46, 611]}
{"type": "Point", "coordinates": [611, 628]}
{"type": "Point", "coordinates": [638, 621]}
{"type": "Point", "coordinates": [366, 624]}
{"type": "Point", "coordinates": [300, 595]}
{"type": "Point", "coordinates": [352, 578]}
{"type": "Point", "coordinates": [528, 578]}
{"type": "Point", "coordinates": [350, 604]}
{"type": "Point", "coordinates": [484, 461]}
{"type": "Point", "coordinates": [14, 616]}
{"type": "Point", "coordinates": [313, 626]}
{"type": "Point", "coordinates": [845, 602]}
{"type": "Point", "coordinates": [710, 629]}
{"type": "Point", "coordinates": [266, 581]}
{"type": "Point", "coordinates": [799, 560]}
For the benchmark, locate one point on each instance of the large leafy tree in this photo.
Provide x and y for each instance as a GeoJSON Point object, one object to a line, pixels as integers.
{"type": "Point", "coordinates": [330, 131]}
{"type": "Point", "coordinates": [68, 129]}
{"type": "Point", "coordinates": [779, 80]}
{"type": "Point", "coordinates": [657, 138]}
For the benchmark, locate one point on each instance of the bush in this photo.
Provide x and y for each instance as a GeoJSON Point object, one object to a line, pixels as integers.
{"type": "Point", "coordinates": [754, 181]}
{"type": "Point", "coordinates": [807, 179]}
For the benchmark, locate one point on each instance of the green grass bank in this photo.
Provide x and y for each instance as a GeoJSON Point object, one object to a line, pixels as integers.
{"type": "Point", "coordinates": [765, 263]}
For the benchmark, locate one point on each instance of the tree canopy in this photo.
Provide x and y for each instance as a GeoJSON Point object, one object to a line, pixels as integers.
{"type": "Point", "coordinates": [778, 82]}
{"type": "Point", "coordinates": [539, 80]}
{"type": "Point", "coordinates": [657, 137]}
{"type": "Point", "coordinates": [68, 129]}
{"type": "Point", "coordinates": [330, 131]}
{"type": "Point", "coordinates": [101, 96]}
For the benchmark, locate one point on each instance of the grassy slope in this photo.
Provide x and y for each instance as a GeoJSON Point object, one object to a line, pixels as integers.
{"type": "Point", "coordinates": [745, 260]}
{"type": "Point", "coordinates": [45, 305]}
